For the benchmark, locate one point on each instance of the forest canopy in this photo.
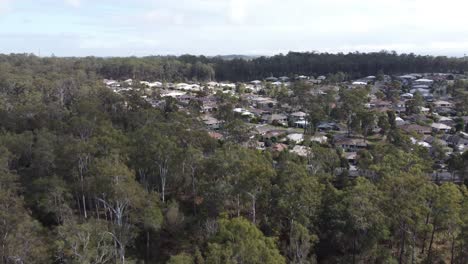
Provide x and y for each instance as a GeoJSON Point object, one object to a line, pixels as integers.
{"type": "Point", "coordinates": [202, 68]}
{"type": "Point", "coordinates": [88, 175]}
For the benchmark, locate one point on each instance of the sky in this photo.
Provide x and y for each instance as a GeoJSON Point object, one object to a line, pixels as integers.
{"type": "Point", "coordinates": [222, 27]}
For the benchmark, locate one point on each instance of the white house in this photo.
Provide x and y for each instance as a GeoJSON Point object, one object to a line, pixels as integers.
{"type": "Point", "coordinates": [440, 127]}
{"type": "Point", "coordinates": [296, 138]}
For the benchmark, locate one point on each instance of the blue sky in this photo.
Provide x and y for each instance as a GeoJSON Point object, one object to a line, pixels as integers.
{"type": "Point", "coordinates": [212, 27]}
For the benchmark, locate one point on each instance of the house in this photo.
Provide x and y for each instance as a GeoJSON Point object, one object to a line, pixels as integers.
{"type": "Point", "coordinates": [173, 94]}
{"type": "Point", "coordinates": [407, 77]}
{"type": "Point", "coordinates": [380, 104]}
{"type": "Point", "coordinates": [351, 144]}
{"type": "Point", "coordinates": [319, 139]}
{"type": "Point", "coordinates": [260, 145]}
{"type": "Point", "coordinates": [297, 116]}
{"type": "Point", "coordinates": [446, 121]}
{"type": "Point", "coordinates": [274, 134]}
{"type": "Point", "coordinates": [279, 147]}
{"type": "Point", "coordinates": [327, 126]}
{"type": "Point", "coordinates": [212, 84]}
{"type": "Point", "coordinates": [208, 106]}
{"type": "Point", "coordinates": [275, 118]}
{"type": "Point", "coordinates": [263, 102]}
{"type": "Point", "coordinates": [151, 84]}
{"type": "Point", "coordinates": [301, 124]}
{"type": "Point", "coordinates": [440, 103]}
{"type": "Point", "coordinates": [351, 157]}
{"type": "Point", "coordinates": [302, 77]}
{"type": "Point", "coordinates": [457, 141]}
{"type": "Point", "coordinates": [414, 128]}
{"type": "Point", "coordinates": [211, 122]}
{"type": "Point", "coordinates": [296, 138]}
{"type": "Point", "coordinates": [438, 127]}
{"type": "Point", "coordinates": [399, 107]}
{"type": "Point", "coordinates": [301, 151]}
{"type": "Point", "coordinates": [243, 112]}
{"type": "Point", "coordinates": [185, 99]}
{"type": "Point", "coordinates": [228, 86]}
{"type": "Point", "coordinates": [422, 87]}
{"type": "Point", "coordinates": [424, 81]}
{"type": "Point", "coordinates": [407, 96]}
{"type": "Point", "coordinates": [359, 83]}
{"type": "Point", "coordinates": [399, 121]}
{"type": "Point", "coordinates": [423, 92]}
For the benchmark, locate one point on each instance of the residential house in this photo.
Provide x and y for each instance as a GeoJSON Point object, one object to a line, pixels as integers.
{"type": "Point", "coordinates": [271, 79]}
{"type": "Point", "coordinates": [351, 157]}
{"type": "Point", "coordinates": [439, 127]}
{"type": "Point", "coordinates": [441, 103]}
{"type": "Point", "coordinates": [458, 141]}
{"type": "Point", "coordinates": [301, 151]}
{"type": "Point", "coordinates": [275, 119]}
{"type": "Point", "coordinates": [327, 126]}
{"type": "Point", "coordinates": [279, 147]}
{"type": "Point", "coordinates": [296, 138]}
{"type": "Point", "coordinates": [351, 144]}
{"type": "Point", "coordinates": [211, 122]}
{"type": "Point", "coordinates": [297, 116]}
{"type": "Point", "coordinates": [319, 139]}
{"type": "Point", "coordinates": [414, 128]}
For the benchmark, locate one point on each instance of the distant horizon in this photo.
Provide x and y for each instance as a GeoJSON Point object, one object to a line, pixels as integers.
{"type": "Point", "coordinates": [250, 56]}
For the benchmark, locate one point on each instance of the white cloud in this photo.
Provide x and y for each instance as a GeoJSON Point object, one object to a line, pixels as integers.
{"type": "Point", "coordinates": [252, 26]}
{"type": "Point", "coordinates": [238, 11]}
{"type": "Point", "coordinates": [164, 17]}
{"type": "Point", "coordinates": [4, 6]}
{"type": "Point", "coordinates": [73, 3]}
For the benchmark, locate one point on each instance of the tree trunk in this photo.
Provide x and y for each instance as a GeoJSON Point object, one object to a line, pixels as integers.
{"type": "Point", "coordinates": [84, 206]}
{"type": "Point", "coordinates": [429, 250]}
{"type": "Point", "coordinates": [254, 211]}
{"type": "Point", "coordinates": [423, 247]}
{"type": "Point", "coordinates": [147, 246]}
{"type": "Point", "coordinates": [452, 250]}
{"type": "Point", "coordinates": [402, 248]}
{"type": "Point", "coordinates": [96, 205]}
{"type": "Point", "coordinates": [238, 205]}
{"type": "Point", "coordinates": [194, 192]}
{"type": "Point", "coordinates": [354, 249]}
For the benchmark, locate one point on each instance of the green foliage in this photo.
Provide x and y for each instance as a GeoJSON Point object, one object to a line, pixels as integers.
{"type": "Point", "coordinates": [239, 241]}
{"type": "Point", "coordinates": [181, 259]}
{"type": "Point", "coordinates": [92, 176]}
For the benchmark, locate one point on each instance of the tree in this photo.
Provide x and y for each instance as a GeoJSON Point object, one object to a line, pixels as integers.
{"type": "Point", "coordinates": [445, 215]}
{"type": "Point", "coordinates": [366, 220]}
{"type": "Point", "coordinates": [414, 106]}
{"type": "Point", "coordinates": [352, 102]}
{"type": "Point", "coordinates": [151, 219]}
{"type": "Point", "coordinates": [239, 241]}
{"type": "Point", "coordinates": [405, 204]}
{"type": "Point", "coordinates": [121, 195]}
{"type": "Point", "coordinates": [300, 244]}
{"type": "Point", "coordinates": [21, 238]}
{"type": "Point", "coordinates": [89, 242]}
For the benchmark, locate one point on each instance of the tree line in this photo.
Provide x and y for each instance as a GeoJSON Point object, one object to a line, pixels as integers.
{"type": "Point", "coordinates": [202, 68]}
